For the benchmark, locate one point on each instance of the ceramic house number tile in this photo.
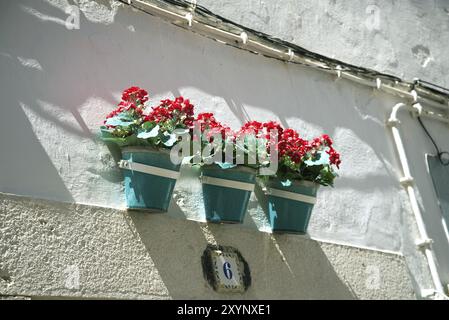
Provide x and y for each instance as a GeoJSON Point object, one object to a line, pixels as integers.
{"type": "Point", "coordinates": [227, 271]}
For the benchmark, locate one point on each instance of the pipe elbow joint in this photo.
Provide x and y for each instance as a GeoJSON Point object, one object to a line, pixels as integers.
{"type": "Point", "coordinates": [393, 122]}
{"type": "Point", "coordinates": [406, 181]}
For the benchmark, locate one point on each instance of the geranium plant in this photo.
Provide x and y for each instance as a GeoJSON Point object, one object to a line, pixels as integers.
{"type": "Point", "coordinates": [129, 125]}
{"type": "Point", "coordinates": [122, 124]}
{"type": "Point", "coordinates": [212, 137]}
{"type": "Point", "coordinates": [258, 140]}
{"type": "Point", "coordinates": [307, 160]}
{"type": "Point", "coordinates": [149, 172]}
{"type": "Point", "coordinates": [297, 168]}
{"type": "Point", "coordinates": [300, 159]}
{"type": "Point", "coordinates": [226, 178]}
{"type": "Point", "coordinates": [161, 127]}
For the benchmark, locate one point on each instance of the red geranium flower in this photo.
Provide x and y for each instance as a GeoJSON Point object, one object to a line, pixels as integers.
{"type": "Point", "coordinates": [291, 145]}
{"type": "Point", "coordinates": [334, 157]}
{"type": "Point", "coordinates": [135, 95]}
{"type": "Point", "coordinates": [179, 108]}
{"type": "Point", "coordinates": [208, 122]}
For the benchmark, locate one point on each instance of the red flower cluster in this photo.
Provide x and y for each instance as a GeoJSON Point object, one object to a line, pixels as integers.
{"type": "Point", "coordinates": [261, 130]}
{"type": "Point", "coordinates": [251, 127]}
{"type": "Point", "coordinates": [326, 141]}
{"type": "Point", "coordinates": [115, 112]}
{"type": "Point", "coordinates": [179, 109]}
{"type": "Point", "coordinates": [273, 125]}
{"type": "Point", "coordinates": [133, 100]}
{"type": "Point", "coordinates": [180, 113]}
{"type": "Point", "coordinates": [208, 122]}
{"type": "Point", "coordinates": [135, 95]}
{"type": "Point", "coordinates": [334, 157]}
{"type": "Point", "coordinates": [290, 144]}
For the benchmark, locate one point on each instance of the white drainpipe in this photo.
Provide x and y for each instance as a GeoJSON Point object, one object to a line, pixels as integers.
{"type": "Point", "coordinates": [424, 243]}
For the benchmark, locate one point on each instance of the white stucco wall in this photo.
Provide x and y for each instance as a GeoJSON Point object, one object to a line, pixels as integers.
{"type": "Point", "coordinates": [405, 38]}
{"type": "Point", "coordinates": [57, 84]}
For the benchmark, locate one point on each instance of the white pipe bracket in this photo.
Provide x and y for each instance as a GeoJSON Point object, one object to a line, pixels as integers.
{"type": "Point", "coordinates": [428, 293]}
{"type": "Point", "coordinates": [189, 18]}
{"type": "Point", "coordinates": [414, 95]}
{"type": "Point", "coordinates": [244, 37]}
{"type": "Point", "coordinates": [417, 109]}
{"type": "Point", "coordinates": [291, 54]}
{"type": "Point", "coordinates": [338, 68]}
{"type": "Point", "coordinates": [393, 122]}
{"type": "Point", "coordinates": [424, 243]}
{"type": "Point", "coordinates": [378, 83]}
{"type": "Point", "coordinates": [406, 181]}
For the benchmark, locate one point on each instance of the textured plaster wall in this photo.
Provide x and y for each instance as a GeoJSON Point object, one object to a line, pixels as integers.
{"type": "Point", "coordinates": [405, 38]}
{"type": "Point", "coordinates": [57, 84]}
{"type": "Point", "coordinates": [62, 250]}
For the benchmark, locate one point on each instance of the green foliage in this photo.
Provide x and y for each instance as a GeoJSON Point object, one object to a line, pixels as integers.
{"type": "Point", "coordinates": [226, 165]}
{"type": "Point", "coordinates": [107, 136]}
{"type": "Point", "coordinates": [169, 139]}
{"type": "Point", "coordinates": [316, 169]}
{"type": "Point", "coordinates": [148, 132]}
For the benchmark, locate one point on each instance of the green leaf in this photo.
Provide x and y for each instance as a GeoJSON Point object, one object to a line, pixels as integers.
{"type": "Point", "coordinates": [225, 165]}
{"type": "Point", "coordinates": [321, 158]}
{"type": "Point", "coordinates": [326, 176]}
{"type": "Point", "coordinates": [172, 139]}
{"type": "Point", "coordinates": [115, 121]}
{"type": "Point", "coordinates": [147, 125]}
{"type": "Point", "coordinates": [106, 133]}
{"type": "Point", "coordinates": [286, 183]}
{"type": "Point", "coordinates": [123, 119]}
{"type": "Point", "coordinates": [149, 134]}
{"type": "Point", "coordinates": [127, 141]}
{"type": "Point", "coordinates": [181, 131]}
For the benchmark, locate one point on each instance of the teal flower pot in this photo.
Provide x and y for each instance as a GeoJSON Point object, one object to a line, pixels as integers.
{"type": "Point", "coordinates": [290, 208]}
{"type": "Point", "coordinates": [226, 192]}
{"type": "Point", "coordinates": [150, 178]}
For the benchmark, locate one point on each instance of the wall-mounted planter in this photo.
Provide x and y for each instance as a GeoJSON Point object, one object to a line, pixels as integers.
{"type": "Point", "coordinates": [150, 178]}
{"type": "Point", "coordinates": [226, 192]}
{"type": "Point", "coordinates": [290, 208]}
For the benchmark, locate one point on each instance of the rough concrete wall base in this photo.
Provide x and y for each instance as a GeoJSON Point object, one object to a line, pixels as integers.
{"type": "Point", "coordinates": [14, 298]}
{"type": "Point", "coordinates": [52, 249]}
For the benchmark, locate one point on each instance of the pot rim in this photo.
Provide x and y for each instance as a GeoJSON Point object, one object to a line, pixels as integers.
{"type": "Point", "coordinates": [214, 166]}
{"type": "Point", "coordinates": [305, 183]}
{"type": "Point", "coordinates": [145, 149]}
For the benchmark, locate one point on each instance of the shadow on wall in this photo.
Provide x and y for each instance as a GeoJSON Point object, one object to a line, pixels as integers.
{"type": "Point", "coordinates": [56, 85]}
{"type": "Point", "coordinates": [280, 268]}
{"type": "Point", "coordinates": [61, 82]}
{"type": "Point", "coordinates": [53, 70]}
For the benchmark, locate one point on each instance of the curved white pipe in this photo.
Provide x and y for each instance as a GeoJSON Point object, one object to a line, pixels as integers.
{"type": "Point", "coordinates": [407, 182]}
